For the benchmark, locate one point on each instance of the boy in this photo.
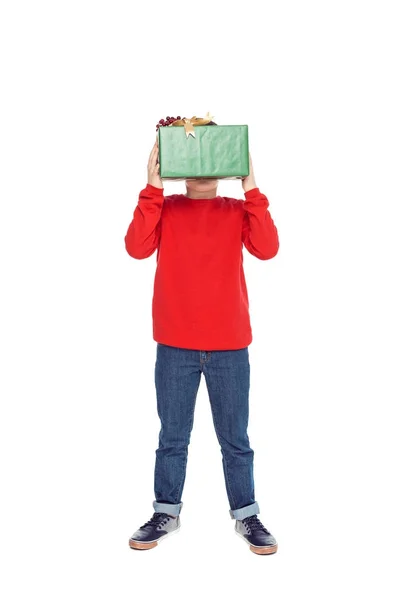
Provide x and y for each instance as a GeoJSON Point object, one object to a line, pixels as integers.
{"type": "Point", "coordinates": [201, 325]}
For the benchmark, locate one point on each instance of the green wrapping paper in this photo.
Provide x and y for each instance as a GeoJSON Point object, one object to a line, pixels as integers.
{"type": "Point", "coordinates": [219, 151]}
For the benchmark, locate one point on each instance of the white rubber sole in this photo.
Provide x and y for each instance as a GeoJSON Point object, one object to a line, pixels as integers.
{"type": "Point", "coordinates": [150, 545]}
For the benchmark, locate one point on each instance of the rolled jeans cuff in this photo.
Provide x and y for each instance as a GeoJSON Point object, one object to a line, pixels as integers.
{"type": "Point", "coordinates": [245, 511]}
{"type": "Point", "coordinates": [170, 509]}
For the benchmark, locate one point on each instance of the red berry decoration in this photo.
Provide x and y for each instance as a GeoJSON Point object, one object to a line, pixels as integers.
{"type": "Point", "coordinates": [167, 122]}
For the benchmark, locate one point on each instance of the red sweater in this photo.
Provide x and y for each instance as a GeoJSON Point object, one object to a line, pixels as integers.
{"type": "Point", "coordinates": [200, 297]}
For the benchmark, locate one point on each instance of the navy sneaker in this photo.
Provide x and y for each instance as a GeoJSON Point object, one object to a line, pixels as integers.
{"type": "Point", "coordinates": [160, 526]}
{"type": "Point", "coordinates": [260, 540]}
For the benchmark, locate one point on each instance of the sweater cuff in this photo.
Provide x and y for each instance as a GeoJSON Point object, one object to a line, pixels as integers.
{"type": "Point", "coordinates": [252, 193]}
{"type": "Point", "coordinates": [154, 190]}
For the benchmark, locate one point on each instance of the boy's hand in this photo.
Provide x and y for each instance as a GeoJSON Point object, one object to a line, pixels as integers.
{"type": "Point", "coordinates": [249, 182]}
{"type": "Point", "coordinates": [153, 168]}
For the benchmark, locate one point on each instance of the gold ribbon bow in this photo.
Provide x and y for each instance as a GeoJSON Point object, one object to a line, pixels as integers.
{"type": "Point", "coordinates": [189, 123]}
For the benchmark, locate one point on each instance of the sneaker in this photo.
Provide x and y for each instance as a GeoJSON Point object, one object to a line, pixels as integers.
{"type": "Point", "coordinates": [160, 526]}
{"type": "Point", "coordinates": [260, 540]}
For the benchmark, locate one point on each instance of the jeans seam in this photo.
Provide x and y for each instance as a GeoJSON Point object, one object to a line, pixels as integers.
{"type": "Point", "coordinates": [182, 477]}
{"type": "Point", "coordinates": [223, 455]}
{"type": "Point", "coordinates": [187, 450]}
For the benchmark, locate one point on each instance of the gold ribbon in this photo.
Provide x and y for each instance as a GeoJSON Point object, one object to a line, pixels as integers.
{"type": "Point", "coordinates": [189, 123]}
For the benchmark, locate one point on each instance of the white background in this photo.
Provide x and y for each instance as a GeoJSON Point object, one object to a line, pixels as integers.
{"type": "Point", "coordinates": [83, 86]}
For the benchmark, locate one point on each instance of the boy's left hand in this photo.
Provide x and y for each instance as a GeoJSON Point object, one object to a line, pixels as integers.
{"type": "Point", "coordinates": [249, 182]}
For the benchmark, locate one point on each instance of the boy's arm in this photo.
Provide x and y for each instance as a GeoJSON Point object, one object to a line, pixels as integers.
{"type": "Point", "coordinates": [143, 235]}
{"type": "Point", "coordinates": [259, 234]}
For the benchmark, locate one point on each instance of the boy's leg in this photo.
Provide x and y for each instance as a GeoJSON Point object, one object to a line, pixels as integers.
{"type": "Point", "coordinates": [227, 375]}
{"type": "Point", "coordinates": [177, 380]}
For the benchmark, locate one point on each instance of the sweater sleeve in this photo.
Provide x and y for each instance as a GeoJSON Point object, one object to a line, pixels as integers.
{"type": "Point", "coordinates": [143, 235]}
{"type": "Point", "coordinates": [259, 234]}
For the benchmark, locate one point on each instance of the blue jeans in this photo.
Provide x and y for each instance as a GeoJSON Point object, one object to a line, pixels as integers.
{"type": "Point", "coordinates": [177, 378]}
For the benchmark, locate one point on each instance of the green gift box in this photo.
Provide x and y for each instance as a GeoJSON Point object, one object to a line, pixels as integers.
{"type": "Point", "coordinates": [219, 151]}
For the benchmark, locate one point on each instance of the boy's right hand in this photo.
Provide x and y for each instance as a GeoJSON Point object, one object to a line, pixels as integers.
{"type": "Point", "coordinates": [153, 168]}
